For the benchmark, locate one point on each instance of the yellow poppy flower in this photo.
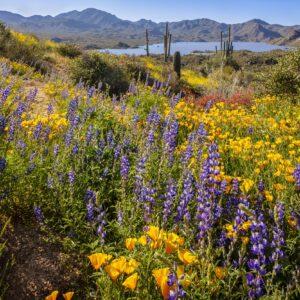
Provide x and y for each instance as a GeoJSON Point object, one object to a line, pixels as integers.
{"type": "Point", "coordinates": [112, 272]}
{"type": "Point", "coordinates": [172, 242]}
{"type": "Point", "coordinates": [142, 240]}
{"type": "Point", "coordinates": [131, 281]}
{"type": "Point", "coordinates": [247, 185]}
{"type": "Point", "coordinates": [99, 259]}
{"type": "Point", "coordinates": [154, 233]}
{"type": "Point", "coordinates": [220, 272]}
{"type": "Point", "coordinates": [68, 295]}
{"type": "Point", "coordinates": [161, 277]}
{"type": "Point", "coordinates": [187, 257]}
{"type": "Point", "coordinates": [130, 243]}
{"type": "Point", "coordinates": [131, 266]}
{"type": "Point", "coordinates": [52, 296]}
{"type": "Point", "coordinates": [119, 264]}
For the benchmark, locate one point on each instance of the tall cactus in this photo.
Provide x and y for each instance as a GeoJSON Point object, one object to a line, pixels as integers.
{"type": "Point", "coordinates": [147, 42]}
{"type": "Point", "coordinates": [167, 43]}
{"type": "Point", "coordinates": [177, 63]}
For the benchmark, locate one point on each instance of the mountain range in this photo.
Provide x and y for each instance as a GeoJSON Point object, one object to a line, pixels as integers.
{"type": "Point", "coordinates": [100, 29]}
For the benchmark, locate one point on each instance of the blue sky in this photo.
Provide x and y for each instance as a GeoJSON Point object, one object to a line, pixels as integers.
{"type": "Point", "coordinates": [285, 12]}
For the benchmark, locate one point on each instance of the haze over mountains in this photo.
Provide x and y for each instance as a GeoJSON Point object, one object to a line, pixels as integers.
{"type": "Point", "coordinates": [96, 28]}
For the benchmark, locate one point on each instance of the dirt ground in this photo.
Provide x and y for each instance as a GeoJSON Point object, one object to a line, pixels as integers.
{"type": "Point", "coordinates": [38, 267]}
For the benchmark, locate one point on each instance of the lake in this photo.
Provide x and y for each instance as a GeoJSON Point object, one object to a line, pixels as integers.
{"type": "Point", "coordinates": [189, 47]}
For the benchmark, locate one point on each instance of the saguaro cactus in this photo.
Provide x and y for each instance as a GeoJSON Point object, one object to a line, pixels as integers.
{"type": "Point", "coordinates": [167, 42]}
{"type": "Point", "coordinates": [147, 42]}
{"type": "Point", "coordinates": [177, 63]}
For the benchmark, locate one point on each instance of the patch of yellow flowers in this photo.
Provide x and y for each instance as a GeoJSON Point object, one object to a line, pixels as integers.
{"type": "Point", "coordinates": [264, 139]}
{"type": "Point", "coordinates": [154, 238]}
{"type": "Point", "coordinates": [56, 122]}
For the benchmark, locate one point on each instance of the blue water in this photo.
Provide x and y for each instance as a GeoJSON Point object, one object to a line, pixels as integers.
{"type": "Point", "coordinates": [189, 47]}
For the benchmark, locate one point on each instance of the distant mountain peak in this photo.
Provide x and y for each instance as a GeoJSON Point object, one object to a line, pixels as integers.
{"type": "Point", "coordinates": [258, 21]}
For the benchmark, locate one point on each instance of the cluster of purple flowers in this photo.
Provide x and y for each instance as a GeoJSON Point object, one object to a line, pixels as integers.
{"type": "Point", "coordinates": [257, 264]}
{"type": "Point", "coordinates": [297, 176]}
{"type": "Point", "coordinates": [170, 138]}
{"type": "Point", "coordinates": [125, 166]}
{"type": "Point", "coordinates": [3, 164]}
{"type": "Point", "coordinates": [185, 198]}
{"type": "Point", "coordinates": [170, 197]}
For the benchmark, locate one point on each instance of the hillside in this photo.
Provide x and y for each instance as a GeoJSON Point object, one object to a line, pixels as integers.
{"type": "Point", "coordinates": [92, 27]}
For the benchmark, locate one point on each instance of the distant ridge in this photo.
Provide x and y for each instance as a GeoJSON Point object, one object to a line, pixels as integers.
{"type": "Point", "coordinates": [93, 26]}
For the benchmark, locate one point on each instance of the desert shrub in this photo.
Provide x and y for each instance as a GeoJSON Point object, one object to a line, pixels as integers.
{"type": "Point", "coordinates": [69, 50]}
{"type": "Point", "coordinates": [22, 48]}
{"type": "Point", "coordinates": [93, 68]}
{"type": "Point", "coordinates": [114, 72]}
{"type": "Point", "coordinates": [283, 79]}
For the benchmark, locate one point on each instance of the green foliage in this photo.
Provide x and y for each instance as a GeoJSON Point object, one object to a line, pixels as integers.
{"type": "Point", "coordinates": [69, 50]}
{"type": "Point", "coordinates": [17, 50]}
{"type": "Point", "coordinates": [116, 73]}
{"type": "Point", "coordinates": [284, 78]}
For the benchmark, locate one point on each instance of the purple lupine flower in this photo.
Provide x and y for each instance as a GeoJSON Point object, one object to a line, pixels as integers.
{"type": "Point", "coordinates": [297, 176]}
{"type": "Point", "coordinates": [256, 284]}
{"type": "Point", "coordinates": [136, 118]}
{"type": "Point", "coordinates": [71, 176]}
{"type": "Point", "coordinates": [50, 109]}
{"type": "Point", "coordinates": [89, 134]}
{"type": "Point", "coordinates": [101, 225]}
{"type": "Point", "coordinates": [75, 149]}
{"type": "Point", "coordinates": [185, 198]}
{"type": "Point", "coordinates": [90, 195]}
{"type": "Point", "coordinates": [3, 164]}
{"type": "Point", "coordinates": [73, 106]}
{"type": "Point", "coordinates": [187, 155]}
{"type": "Point", "coordinates": [5, 94]}
{"type": "Point", "coordinates": [38, 213]}
{"type": "Point", "coordinates": [2, 124]}
{"type": "Point", "coordinates": [32, 95]}
{"type": "Point", "coordinates": [235, 185]}
{"type": "Point", "coordinates": [169, 200]}
{"type": "Point", "coordinates": [110, 139]}
{"type": "Point", "coordinates": [150, 138]}
{"type": "Point", "coordinates": [69, 137]}
{"type": "Point", "coordinates": [91, 92]}
{"type": "Point", "coordinates": [75, 121]}
{"type": "Point", "coordinates": [278, 237]}
{"type": "Point", "coordinates": [56, 150]}
{"type": "Point", "coordinates": [146, 197]}
{"type": "Point", "coordinates": [259, 243]}
{"type": "Point", "coordinates": [117, 151]}
{"type": "Point", "coordinates": [170, 138]}
{"type": "Point", "coordinates": [125, 166]}
{"type": "Point", "coordinates": [153, 118]}
{"type": "Point", "coordinates": [90, 208]}
{"type": "Point", "coordinates": [37, 131]}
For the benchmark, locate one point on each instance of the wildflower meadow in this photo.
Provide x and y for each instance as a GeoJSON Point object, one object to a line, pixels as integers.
{"type": "Point", "coordinates": [156, 196]}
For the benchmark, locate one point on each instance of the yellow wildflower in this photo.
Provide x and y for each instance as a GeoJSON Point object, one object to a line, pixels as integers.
{"type": "Point", "coordinates": [131, 281]}
{"type": "Point", "coordinates": [187, 257]}
{"type": "Point", "coordinates": [52, 296]}
{"type": "Point", "coordinates": [99, 259]}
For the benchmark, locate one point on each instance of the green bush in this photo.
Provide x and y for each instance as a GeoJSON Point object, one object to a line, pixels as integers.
{"type": "Point", "coordinates": [69, 50]}
{"type": "Point", "coordinates": [16, 50]}
{"type": "Point", "coordinates": [92, 68]}
{"type": "Point", "coordinates": [283, 80]}
{"type": "Point", "coordinates": [114, 72]}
